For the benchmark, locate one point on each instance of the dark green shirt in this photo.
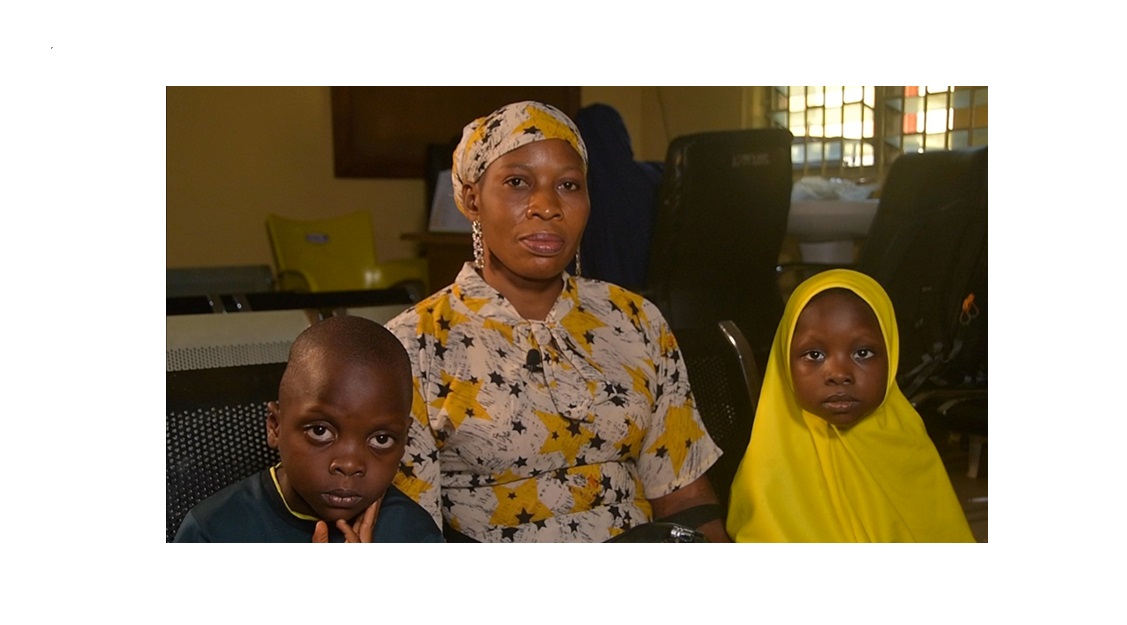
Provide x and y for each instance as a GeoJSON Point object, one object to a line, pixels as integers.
{"type": "Point", "coordinates": [252, 511]}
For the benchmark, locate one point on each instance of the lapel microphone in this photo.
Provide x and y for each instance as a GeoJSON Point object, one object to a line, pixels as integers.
{"type": "Point", "coordinates": [532, 361]}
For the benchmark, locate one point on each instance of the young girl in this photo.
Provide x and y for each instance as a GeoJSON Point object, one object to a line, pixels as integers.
{"type": "Point", "coordinates": [837, 454]}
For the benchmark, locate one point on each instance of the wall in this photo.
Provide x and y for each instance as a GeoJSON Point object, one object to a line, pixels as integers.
{"type": "Point", "coordinates": [235, 154]}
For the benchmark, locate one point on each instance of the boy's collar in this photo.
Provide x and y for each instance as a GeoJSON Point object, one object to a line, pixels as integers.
{"type": "Point", "coordinates": [274, 477]}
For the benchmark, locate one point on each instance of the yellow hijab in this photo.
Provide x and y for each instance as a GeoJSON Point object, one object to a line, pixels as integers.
{"type": "Point", "coordinates": [804, 480]}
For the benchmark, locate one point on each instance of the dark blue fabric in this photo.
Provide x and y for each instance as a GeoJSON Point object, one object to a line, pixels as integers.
{"type": "Point", "coordinates": [251, 511]}
{"type": "Point", "coordinates": [624, 196]}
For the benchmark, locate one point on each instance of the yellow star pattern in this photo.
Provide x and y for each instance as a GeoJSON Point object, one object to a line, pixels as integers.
{"type": "Point", "coordinates": [582, 497]}
{"type": "Point", "coordinates": [630, 304]}
{"type": "Point", "coordinates": [680, 427]}
{"type": "Point", "coordinates": [578, 324]}
{"type": "Point", "coordinates": [548, 126]}
{"type": "Point", "coordinates": [560, 438]}
{"type": "Point", "coordinates": [461, 401]}
{"type": "Point", "coordinates": [638, 374]}
{"type": "Point", "coordinates": [522, 500]}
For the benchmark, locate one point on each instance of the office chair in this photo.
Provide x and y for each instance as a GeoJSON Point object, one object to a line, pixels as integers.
{"type": "Point", "coordinates": [928, 248]}
{"type": "Point", "coordinates": [337, 254]}
{"type": "Point", "coordinates": [721, 220]}
{"type": "Point", "coordinates": [215, 432]}
{"type": "Point", "coordinates": [725, 384]}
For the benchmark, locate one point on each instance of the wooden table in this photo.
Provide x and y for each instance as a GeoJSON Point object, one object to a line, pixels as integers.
{"type": "Point", "coordinates": [446, 252]}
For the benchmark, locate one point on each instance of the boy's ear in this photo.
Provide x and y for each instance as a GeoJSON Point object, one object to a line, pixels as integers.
{"type": "Point", "coordinates": [469, 200]}
{"type": "Point", "coordinates": [272, 424]}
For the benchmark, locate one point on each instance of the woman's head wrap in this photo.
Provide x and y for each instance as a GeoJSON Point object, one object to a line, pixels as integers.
{"type": "Point", "coordinates": [488, 138]}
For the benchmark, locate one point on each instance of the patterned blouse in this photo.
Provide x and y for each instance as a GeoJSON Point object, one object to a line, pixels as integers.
{"type": "Point", "coordinates": [557, 430]}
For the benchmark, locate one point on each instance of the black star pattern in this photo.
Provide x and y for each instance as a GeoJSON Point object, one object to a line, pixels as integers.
{"type": "Point", "coordinates": [561, 475]}
{"type": "Point", "coordinates": [596, 442]}
{"type": "Point", "coordinates": [439, 350]}
{"type": "Point", "coordinates": [615, 512]}
{"type": "Point", "coordinates": [605, 482]}
{"type": "Point", "coordinates": [501, 353]}
{"type": "Point", "coordinates": [444, 323]}
{"type": "Point", "coordinates": [520, 462]}
{"type": "Point", "coordinates": [407, 470]}
{"type": "Point", "coordinates": [444, 390]}
{"type": "Point", "coordinates": [417, 458]}
{"type": "Point", "coordinates": [525, 516]}
{"type": "Point", "coordinates": [512, 495]}
{"type": "Point", "coordinates": [618, 400]}
{"type": "Point", "coordinates": [590, 338]}
{"type": "Point", "coordinates": [467, 341]}
{"type": "Point", "coordinates": [446, 503]}
{"type": "Point", "coordinates": [469, 413]}
{"type": "Point", "coordinates": [475, 480]}
{"type": "Point", "coordinates": [508, 533]}
{"type": "Point", "coordinates": [433, 455]}
{"type": "Point", "coordinates": [495, 378]}
{"type": "Point", "coordinates": [514, 389]}
{"type": "Point", "coordinates": [573, 427]}
{"type": "Point", "coordinates": [661, 451]}
{"type": "Point", "coordinates": [540, 524]}
{"type": "Point", "coordinates": [422, 341]}
{"type": "Point", "coordinates": [625, 449]}
{"type": "Point", "coordinates": [688, 443]}
{"type": "Point", "coordinates": [531, 130]}
{"type": "Point", "coordinates": [518, 427]}
{"type": "Point", "coordinates": [620, 389]}
{"type": "Point", "coordinates": [574, 526]}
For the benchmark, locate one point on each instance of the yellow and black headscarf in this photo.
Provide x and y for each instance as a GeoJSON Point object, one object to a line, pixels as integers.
{"type": "Point", "coordinates": [805, 480]}
{"type": "Point", "coordinates": [488, 138]}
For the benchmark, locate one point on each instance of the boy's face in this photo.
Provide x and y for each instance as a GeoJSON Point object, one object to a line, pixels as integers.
{"type": "Point", "coordinates": [340, 429]}
{"type": "Point", "coordinates": [838, 359]}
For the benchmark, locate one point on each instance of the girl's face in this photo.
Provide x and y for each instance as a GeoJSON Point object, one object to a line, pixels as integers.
{"type": "Point", "coordinates": [533, 206]}
{"type": "Point", "coordinates": [838, 359]}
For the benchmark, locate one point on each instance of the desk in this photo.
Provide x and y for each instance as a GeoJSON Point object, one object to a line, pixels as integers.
{"type": "Point", "coordinates": [446, 252]}
{"type": "Point", "coordinates": [827, 229]}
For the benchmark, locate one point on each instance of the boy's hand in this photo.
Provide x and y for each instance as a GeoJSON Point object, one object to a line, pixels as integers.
{"type": "Point", "coordinates": [360, 532]}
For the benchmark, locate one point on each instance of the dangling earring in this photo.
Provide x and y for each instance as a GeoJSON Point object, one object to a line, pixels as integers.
{"type": "Point", "coordinates": [478, 246]}
{"type": "Point", "coordinates": [578, 272]}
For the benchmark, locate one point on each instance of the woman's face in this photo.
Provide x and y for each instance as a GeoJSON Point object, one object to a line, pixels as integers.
{"type": "Point", "coordinates": [533, 205]}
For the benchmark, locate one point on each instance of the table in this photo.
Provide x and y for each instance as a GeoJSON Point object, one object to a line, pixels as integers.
{"type": "Point", "coordinates": [446, 252]}
{"type": "Point", "coordinates": [826, 230]}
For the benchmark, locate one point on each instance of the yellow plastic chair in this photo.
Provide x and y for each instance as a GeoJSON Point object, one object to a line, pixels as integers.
{"type": "Point", "coordinates": [337, 254]}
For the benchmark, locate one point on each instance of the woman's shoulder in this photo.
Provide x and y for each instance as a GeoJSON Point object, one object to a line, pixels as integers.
{"type": "Point", "coordinates": [630, 303]}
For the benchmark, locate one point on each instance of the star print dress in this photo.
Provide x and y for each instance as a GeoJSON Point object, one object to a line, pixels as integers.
{"type": "Point", "coordinates": [556, 430]}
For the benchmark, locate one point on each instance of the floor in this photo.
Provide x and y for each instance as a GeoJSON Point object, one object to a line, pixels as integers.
{"type": "Point", "coordinates": [955, 451]}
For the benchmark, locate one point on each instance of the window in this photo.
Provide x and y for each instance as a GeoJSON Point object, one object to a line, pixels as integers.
{"type": "Point", "coordinates": [856, 132]}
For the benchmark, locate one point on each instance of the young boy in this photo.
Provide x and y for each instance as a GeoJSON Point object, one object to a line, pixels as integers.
{"type": "Point", "coordinates": [340, 426]}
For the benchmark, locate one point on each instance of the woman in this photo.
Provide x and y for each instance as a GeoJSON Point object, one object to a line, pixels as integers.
{"type": "Point", "coordinates": [837, 453]}
{"type": "Point", "coordinates": [550, 408]}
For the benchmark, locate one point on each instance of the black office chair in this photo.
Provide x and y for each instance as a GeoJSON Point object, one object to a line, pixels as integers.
{"type": "Point", "coordinates": [928, 248]}
{"type": "Point", "coordinates": [215, 432]}
{"type": "Point", "coordinates": [722, 217]}
{"type": "Point", "coordinates": [725, 383]}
